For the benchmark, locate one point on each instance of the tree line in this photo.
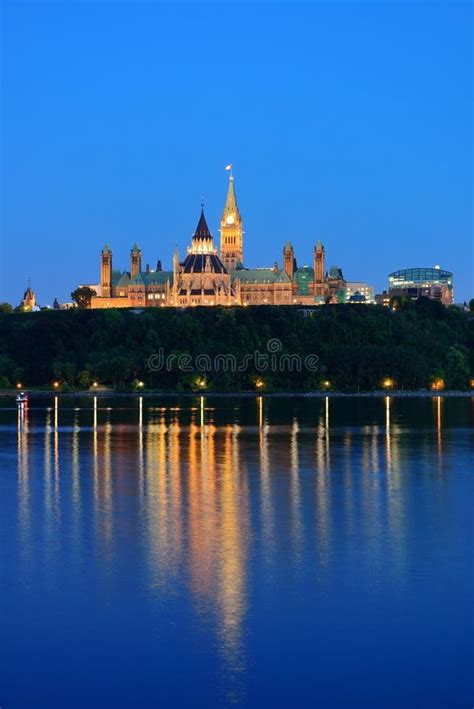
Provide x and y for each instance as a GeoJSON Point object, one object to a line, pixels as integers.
{"type": "Point", "coordinates": [354, 347]}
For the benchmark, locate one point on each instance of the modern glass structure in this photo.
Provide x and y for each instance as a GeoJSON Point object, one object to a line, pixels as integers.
{"type": "Point", "coordinates": [420, 277]}
{"type": "Point", "coordinates": [434, 283]}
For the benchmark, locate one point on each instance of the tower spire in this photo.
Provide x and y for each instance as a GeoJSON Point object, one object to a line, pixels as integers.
{"type": "Point", "coordinates": [231, 229]}
{"type": "Point", "coordinates": [231, 201]}
{"type": "Point", "coordinates": [202, 238]}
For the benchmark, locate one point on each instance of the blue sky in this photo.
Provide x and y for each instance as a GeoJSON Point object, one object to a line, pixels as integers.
{"type": "Point", "coordinates": [345, 122]}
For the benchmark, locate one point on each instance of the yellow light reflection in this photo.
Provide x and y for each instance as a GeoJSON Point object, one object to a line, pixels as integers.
{"type": "Point", "coordinates": [75, 477]}
{"type": "Point", "coordinates": [388, 450]}
{"type": "Point", "coordinates": [57, 492]}
{"type": "Point", "coordinates": [23, 482]}
{"type": "Point", "coordinates": [231, 575]}
{"type": "Point", "coordinates": [439, 434]}
{"type": "Point", "coordinates": [265, 481]}
{"type": "Point", "coordinates": [295, 493]}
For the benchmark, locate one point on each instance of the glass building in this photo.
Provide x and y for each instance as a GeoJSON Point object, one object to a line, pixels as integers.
{"type": "Point", "coordinates": [434, 283]}
{"type": "Point", "coordinates": [420, 277]}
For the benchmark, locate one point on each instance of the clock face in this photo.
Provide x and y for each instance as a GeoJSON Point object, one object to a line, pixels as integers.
{"type": "Point", "coordinates": [230, 219]}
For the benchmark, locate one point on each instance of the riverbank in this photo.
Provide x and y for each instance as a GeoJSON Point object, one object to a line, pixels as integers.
{"type": "Point", "coordinates": [240, 394]}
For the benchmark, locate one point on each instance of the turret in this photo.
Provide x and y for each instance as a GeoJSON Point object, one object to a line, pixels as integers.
{"type": "Point", "coordinates": [289, 261]}
{"type": "Point", "coordinates": [175, 275]}
{"type": "Point", "coordinates": [106, 272]}
{"type": "Point", "coordinates": [135, 261]}
{"type": "Point", "coordinates": [319, 263]}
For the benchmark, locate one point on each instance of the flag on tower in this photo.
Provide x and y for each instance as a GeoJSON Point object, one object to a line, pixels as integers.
{"type": "Point", "coordinates": [228, 167]}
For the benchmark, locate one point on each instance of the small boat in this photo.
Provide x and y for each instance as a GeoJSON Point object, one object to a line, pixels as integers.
{"type": "Point", "coordinates": [21, 398]}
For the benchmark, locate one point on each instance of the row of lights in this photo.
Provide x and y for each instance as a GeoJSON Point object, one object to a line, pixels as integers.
{"type": "Point", "coordinates": [57, 384]}
{"type": "Point", "coordinates": [436, 385]}
{"type": "Point", "coordinates": [387, 383]}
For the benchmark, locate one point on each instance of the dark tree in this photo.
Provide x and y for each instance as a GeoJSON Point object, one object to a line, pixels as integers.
{"type": "Point", "coordinates": [82, 296]}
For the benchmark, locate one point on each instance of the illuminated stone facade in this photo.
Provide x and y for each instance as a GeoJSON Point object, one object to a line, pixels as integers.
{"type": "Point", "coordinates": [28, 301]}
{"type": "Point", "coordinates": [209, 277]}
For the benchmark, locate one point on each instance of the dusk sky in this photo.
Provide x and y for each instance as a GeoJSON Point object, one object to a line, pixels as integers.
{"type": "Point", "coordinates": [345, 122]}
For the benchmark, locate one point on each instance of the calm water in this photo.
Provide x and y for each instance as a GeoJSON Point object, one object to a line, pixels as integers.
{"type": "Point", "coordinates": [207, 552]}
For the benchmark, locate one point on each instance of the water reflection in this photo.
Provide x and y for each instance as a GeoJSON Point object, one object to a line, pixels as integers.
{"type": "Point", "coordinates": [265, 482]}
{"type": "Point", "coordinates": [23, 475]}
{"type": "Point", "coordinates": [438, 403]}
{"type": "Point", "coordinates": [199, 500]}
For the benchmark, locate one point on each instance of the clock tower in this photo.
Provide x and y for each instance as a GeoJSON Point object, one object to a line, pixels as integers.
{"type": "Point", "coordinates": [232, 253]}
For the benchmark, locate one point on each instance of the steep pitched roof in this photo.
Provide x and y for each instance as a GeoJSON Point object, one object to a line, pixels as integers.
{"type": "Point", "coordinates": [202, 230]}
{"type": "Point", "coordinates": [282, 277]}
{"type": "Point", "coordinates": [335, 272]}
{"type": "Point", "coordinates": [124, 279]}
{"type": "Point", "coordinates": [116, 275]}
{"type": "Point", "coordinates": [230, 206]}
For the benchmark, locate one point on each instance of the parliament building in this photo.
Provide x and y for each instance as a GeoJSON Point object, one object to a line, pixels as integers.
{"type": "Point", "coordinates": [210, 276]}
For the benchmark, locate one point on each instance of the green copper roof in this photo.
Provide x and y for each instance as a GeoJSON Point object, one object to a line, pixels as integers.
{"type": "Point", "coordinates": [153, 278]}
{"type": "Point", "coordinates": [124, 279]}
{"type": "Point", "coordinates": [157, 278]}
{"type": "Point", "coordinates": [260, 275]}
{"type": "Point", "coordinates": [303, 277]}
{"type": "Point", "coordinates": [116, 275]}
{"type": "Point", "coordinates": [335, 272]}
{"type": "Point", "coordinates": [106, 249]}
{"type": "Point", "coordinates": [136, 248]}
{"type": "Point", "coordinates": [231, 201]}
{"type": "Point", "coordinates": [282, 277]}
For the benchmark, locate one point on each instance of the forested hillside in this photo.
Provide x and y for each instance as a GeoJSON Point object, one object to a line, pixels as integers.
{"type": "Point", "coordinates": [354, 347]}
